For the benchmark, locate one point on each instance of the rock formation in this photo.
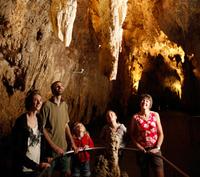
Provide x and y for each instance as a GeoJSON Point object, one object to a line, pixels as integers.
{"type": "Point", "coordinates": [105, 52]}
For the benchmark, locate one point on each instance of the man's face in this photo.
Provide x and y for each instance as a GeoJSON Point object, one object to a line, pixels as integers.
{"type": "Point", "coordinates": [58, 89]}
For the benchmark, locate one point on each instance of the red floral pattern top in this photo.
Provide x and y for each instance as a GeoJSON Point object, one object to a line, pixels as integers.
{"type": "Point", "coordinates": [147, 134]}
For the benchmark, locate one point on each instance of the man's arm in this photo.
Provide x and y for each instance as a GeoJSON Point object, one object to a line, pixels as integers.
{"type": "Point", "coordinates": [55, 148]}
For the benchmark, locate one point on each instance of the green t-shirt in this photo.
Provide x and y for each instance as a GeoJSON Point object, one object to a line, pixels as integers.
{"type": "Point", "coordinates": [55, 119]}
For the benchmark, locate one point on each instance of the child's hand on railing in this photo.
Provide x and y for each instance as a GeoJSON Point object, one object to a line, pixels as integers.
{"type": "Point", "coordinates": [86, 147]}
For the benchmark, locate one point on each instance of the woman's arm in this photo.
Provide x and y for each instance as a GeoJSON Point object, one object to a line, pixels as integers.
{"type": "Point", "coordinates": [160, 131]}
{"type": "Point", "coordinates": [160, 135]}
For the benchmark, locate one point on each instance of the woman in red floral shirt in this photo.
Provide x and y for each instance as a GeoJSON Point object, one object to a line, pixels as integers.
{"type": "Point", "coordinates": [81, 161]}
{"type": "Point", "coordinates": [147, 135]}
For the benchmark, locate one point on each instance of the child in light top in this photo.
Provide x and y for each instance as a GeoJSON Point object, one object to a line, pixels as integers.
{"type": "Point", "coordinates": [81, 161]}
{"type": "Point", "coordinates": [113, 125]}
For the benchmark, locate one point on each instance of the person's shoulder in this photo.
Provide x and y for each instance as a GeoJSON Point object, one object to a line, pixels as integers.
{"type": "Point", "coordinates": [20, 121]}
{"type": "Point", "coordinates": [64, 103]}
{"type": "Point", "coordinates": [154, 113]}
{"type": "Point", "coordinates": [22, 117]}
{"type": "Point", "coordinates": [86, 135]}
{"type": "Point", "coordinates": [47, 103]}
{"type": "Point", "coordinates": [122, 126]}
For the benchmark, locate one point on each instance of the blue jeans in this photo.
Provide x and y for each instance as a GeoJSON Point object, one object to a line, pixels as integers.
{"type": "Point", "coordinates": [80, 168]}
{"type": "Point", "coordinates": [61, 164]}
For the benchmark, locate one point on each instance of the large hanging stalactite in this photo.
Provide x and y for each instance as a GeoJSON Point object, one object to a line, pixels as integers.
{"type": "Point", "coordinates": [107, 19]}
{"type": "Point", "coordinates": [63, 14]}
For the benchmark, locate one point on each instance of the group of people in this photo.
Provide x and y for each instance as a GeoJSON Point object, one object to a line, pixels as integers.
{"type": "Point", "coordinates": [42, 135]}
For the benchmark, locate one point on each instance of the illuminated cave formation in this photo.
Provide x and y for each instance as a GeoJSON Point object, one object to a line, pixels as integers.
{"type": "Point", "coordinates": [107, 20]}
{"type": "Point", "coordinates": [116, 42]}
{"type": "Point", "coordinates": [63, 14]}
{"type": "Point", "coordinates": [125, 47]}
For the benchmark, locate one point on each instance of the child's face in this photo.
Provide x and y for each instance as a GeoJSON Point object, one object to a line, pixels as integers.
{"type": "Point", "coordinates": [79, 130]}
{"type": "Point", "coordinates": [111, 118]}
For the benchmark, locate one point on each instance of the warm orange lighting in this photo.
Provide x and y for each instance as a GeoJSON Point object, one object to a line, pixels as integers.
{"type": "Point", "coordinates": [174, 85]}
{"type": "Point", "coordinates": [173, 55]}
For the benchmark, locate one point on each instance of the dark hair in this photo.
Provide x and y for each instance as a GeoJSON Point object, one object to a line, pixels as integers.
{"type": "Point", "coordinates": [147, 96]}
{"type": "Point", "coordinates": [53, 86]}
{"type": "Point", "coordinates": [29, 98]}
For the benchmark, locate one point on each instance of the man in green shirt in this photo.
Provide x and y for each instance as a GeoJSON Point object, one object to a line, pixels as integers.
{"type": "Point", "coordinates": [56, 129]}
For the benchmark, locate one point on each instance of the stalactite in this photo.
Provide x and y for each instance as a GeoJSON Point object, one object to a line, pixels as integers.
{"type": "Point", "coordinates": [63, 14]}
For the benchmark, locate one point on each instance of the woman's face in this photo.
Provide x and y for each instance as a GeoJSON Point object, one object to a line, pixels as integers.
{"type": "Point", "coordinates": [37, 102]}
{"type": "Point", "coordinates": [145, 103]}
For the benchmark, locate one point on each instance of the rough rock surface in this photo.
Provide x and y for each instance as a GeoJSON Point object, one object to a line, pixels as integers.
{"type": "Point", "coordinates": [105, 52]}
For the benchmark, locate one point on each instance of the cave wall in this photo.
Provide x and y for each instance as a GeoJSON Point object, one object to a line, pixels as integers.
{"type": "Point", "coordinates": [105, 52]}
{"type": "Point", "coordinates": [37, 48]}
{"type": "Point", "coordinates": [159, 56]}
